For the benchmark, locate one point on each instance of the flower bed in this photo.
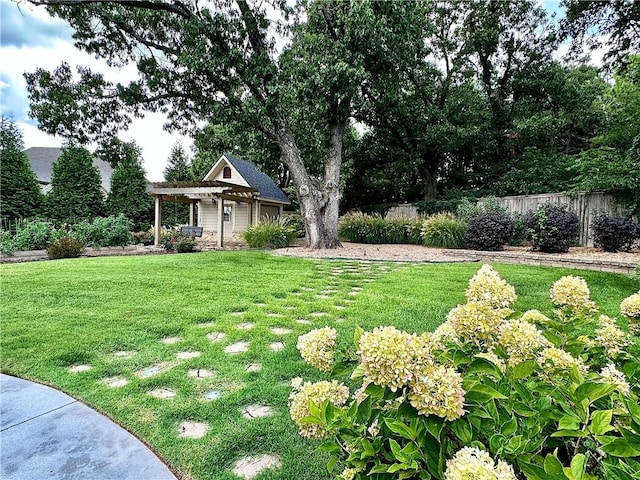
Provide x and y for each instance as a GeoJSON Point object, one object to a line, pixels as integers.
{"type": "Point", "coordinates": [491, 393]}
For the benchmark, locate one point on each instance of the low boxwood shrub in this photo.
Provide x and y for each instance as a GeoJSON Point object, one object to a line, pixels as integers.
{"type": "Point", "coordinates": [490, 394]}
{"type": "Point", "coordinates": [552, 228]}
{"type": "Point", "coordinates": [270, 233]}
{"type": "Point", "coordinates": [65, 247]}
{"type": "Point", "coordinates": [615, 233]}
{"type": "Point", "coordinates": [488, 231]}
{"type": "Point", "coordinates": [444, 230]}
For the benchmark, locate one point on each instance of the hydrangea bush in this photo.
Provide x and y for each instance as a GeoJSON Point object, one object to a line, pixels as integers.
{"type": "Point", "coordinates": [491, 394]}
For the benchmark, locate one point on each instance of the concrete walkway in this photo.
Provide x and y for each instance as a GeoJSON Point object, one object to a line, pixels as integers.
{"type": "Point", "coordinates": [47, 434]}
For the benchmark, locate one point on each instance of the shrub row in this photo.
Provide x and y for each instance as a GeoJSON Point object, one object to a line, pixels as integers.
{"type": "Point", "coordinates": [615, 233]}
{"type": "Point", "coordinates": [40, 234]}
{"type": "Point", "coordinates": [481, 226]}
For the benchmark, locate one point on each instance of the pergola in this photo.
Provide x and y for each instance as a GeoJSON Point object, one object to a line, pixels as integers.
{"type": "Point", "coordinates": [194, 192]}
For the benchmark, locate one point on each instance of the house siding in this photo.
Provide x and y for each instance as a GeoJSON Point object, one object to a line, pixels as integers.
{"type": "Point", "coordinates": [269, 210]}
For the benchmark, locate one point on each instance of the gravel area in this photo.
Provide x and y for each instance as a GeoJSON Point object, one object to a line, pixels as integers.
{"type": "Point", "coordinates": [578, 257]}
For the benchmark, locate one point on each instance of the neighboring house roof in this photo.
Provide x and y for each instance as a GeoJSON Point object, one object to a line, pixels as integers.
{"type": "Point", "coordinates": [258, 180]}
{"type": "Point", "coordinates": [42, 158]}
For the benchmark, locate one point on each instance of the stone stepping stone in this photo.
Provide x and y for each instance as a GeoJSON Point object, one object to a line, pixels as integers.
{"type": "Point", "coordinates": [324, 297]}
{"type": "Point", "coordinates": [318, 314]}
{"type": "Point", "coordinates": [238, 347]}
{"type": "Point", "coordinates": [353, 293]}
{"type": "Point", "coordinates": [340, 320]}
{"type": "Point", "coordinates": [79, 368]}
{"type": "Point", "coordinates": [275, 315]}
{"type": "Point", "coordinates": [356, 289]}
{"type": "Point", "coordinates": [193, 429]}
{"type": "Point", "coordinates": [295, 293]}
{"type": "Point", "coordinates": [206, 324]}
{"type": "Point", "coordinates": [187, 355]}
{"type": "Point", "coordinates": [281, 331]}
{"type": "Point", "coordinates": [303, 321]}
{"type": "Point", "coordinates": [200, 373]}
{"type": "Point", "coordinates": [246, 326]}
{"type": "Point", "coordinates": [346, 300]}
{"type": "Point", "coordinates": [257, 411]}
{"type": "Point", "coordinates": [216, 336]}
{"type": "Point", "coordinates": [249, 467]}
{"type": "Point", "coordinates": [307, 289]}
{"type": "Point", "coordinates": [124, 354]}
{"type": "Point", "coordinates": [170, 340]}
{"type": "Point", "coordinates": [238, 312]}
{"type": "Point", "coordinates": [340, 307]}
{"type": "Point", "coordinates": [260, 304]}
{"type": "Point", "coordinates": [115, 382]}
{"type": "Point", "coordinates": [253, 367]}
{"type": "Point", "coordinates": [277, 346]}
{"type": "Point", "coordinates": [151, 370]}
{"type": "Point", "coordinates": [162, 393]}
{"type": "Point", "coordinates": [212, 395]}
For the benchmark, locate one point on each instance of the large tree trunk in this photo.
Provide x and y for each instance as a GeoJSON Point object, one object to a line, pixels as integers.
{"type": "Point", "coordinates": [429, 174]}
{"type": "Point", "coordinates": [319, 198]}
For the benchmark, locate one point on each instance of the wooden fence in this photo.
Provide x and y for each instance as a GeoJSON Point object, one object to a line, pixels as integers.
{"type": "Point", "coordinates": [586, 205]}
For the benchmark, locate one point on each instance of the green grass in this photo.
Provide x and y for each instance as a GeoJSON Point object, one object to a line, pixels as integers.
{"type": "Point", "coordinates": [80, 311]}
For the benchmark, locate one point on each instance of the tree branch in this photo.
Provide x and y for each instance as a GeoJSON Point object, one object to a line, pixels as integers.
{"type": "Point", "coordinates": [177, 8]}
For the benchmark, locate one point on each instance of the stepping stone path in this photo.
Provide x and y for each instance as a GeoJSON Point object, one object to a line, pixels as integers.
{"type": "Point", "coordinates": [239, 312]}
{"type": "Point", "coordinates": [215, 336]}
{"type": "Point", "coordinates": [307, 289]}
{"type": "Point", "coordinates": [200, 373]}
{"type": "Point", "coordinates": [318, 314]}
{"type": "Point", "coordinates": [249, 467]}
{"type": "Point", "coordinates": [124, 354]}
{"type": "Point", "coordinates": [277, 346]}
{"type": "Point", "coordinates": [79, 368]}
{"type": "Point", "coordinates": [162, 393]}
{"type": "Point", "coordinates": [273, 314]}
{"type": "Point", "coordinates": [115, 382]}
{"type": "Point", "coordinates": [303, 321]}
{"type": "Point", "coordinates": [260, 304]}
{"type": "Point", "coordinates": [212, 395]}
{"type": "Point", "coordinates": [150, 371]}
{"type": "Point", "coordinates": [281, 331]}
{"type": "Point", "coordinates": [253, 367]}
{"type": "Point", "coordinates": [324, 297]}
{"type": "Point", "coordinates": [340, 307]}
{"type": "Point", "coordinates": [193, 429]}
{"type": "Point", "coordinates": [246, 326]}
{"type": "Point", "coordinates": [206, 324]}
{"type": "Point", "coordinates": [257, 411]}
{"type": "Point", "coordinates": [170, 340]}
{"type": "Point", "coordinates": [238, 347]}
{"type": "Point", "coordinates": [187, 355]}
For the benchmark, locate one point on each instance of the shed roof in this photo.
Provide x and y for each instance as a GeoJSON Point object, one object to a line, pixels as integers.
{"type": "Point", "coordinates": [256, 179]}
{"type": "Point", "coordinates": [42, 158]}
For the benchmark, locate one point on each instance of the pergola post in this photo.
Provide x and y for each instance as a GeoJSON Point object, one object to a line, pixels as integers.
{"type": "Point", "coordinates": [158, 224]}
{"type": "Point", "coordinates": [220, 202]}
{"type": "Point", "coordinates": [191, 213]}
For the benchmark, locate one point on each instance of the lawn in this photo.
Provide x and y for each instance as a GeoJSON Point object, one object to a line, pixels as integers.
{"type": "Point", "coordinates": [118, 315]}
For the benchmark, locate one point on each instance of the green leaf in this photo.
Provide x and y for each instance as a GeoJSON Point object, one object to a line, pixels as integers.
{"type": "Point", "coordinates": [532, 471]}
{"type": "Point", "coordinates": [331, 464]}
{"type": "Point", "coordinates": [482, 393]}
{"type": "Point", "coordinates": [400, 428]}
{"type": "Point", "coordinates": [578, 467]}
{"type": "Point", "coordinates": [434, 426]}
{"type": "Point", "coordinates": [569, 422]}
{"type": "Point", "coordinates": [592, 391]}
{"type": "Point", "coordinates": [523, 369]}
{"type": "Point", "coordinates": [601, 422]}
{"type": "Point", "coordinates": [340, 369]}
{"type": "Point", "coordinates": [509, 427]}
{"type": "Point", "coordinates": [374, 391]}
{"type": "Point", "coordinates": [364, 411]}
{"type": "Point", "coordinates": [569, 433]}
{"type": "Point", "coordinates": [462, 430]}
{"type": "Point", "coordinates": [380, 468]}
{"type": "Point", "coordinates": [553, 468]}
{"type": "Point", "coordinates": [482, 365]}
{"type": "Point", "coordinates": [358, 372]}
{"type": "Point", "coordinates": [621, 447]}
{"type": "Point", "coordinates": [397, 451]}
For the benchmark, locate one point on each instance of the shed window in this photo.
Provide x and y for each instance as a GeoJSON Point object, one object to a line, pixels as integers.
{"type": "Point", "coordinates": [227, 213]}
{"type": "Point", "coordinates": [226, 172]}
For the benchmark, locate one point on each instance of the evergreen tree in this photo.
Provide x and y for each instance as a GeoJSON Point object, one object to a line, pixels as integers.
{"type": "Point", "coordinates": [20, 195]}
{"type": "Point", "coordinates": [75, 187]}
{"type": "Point", "coordinates": [177, 170]}
{"type": "Point", "coordinates": [129, 189]}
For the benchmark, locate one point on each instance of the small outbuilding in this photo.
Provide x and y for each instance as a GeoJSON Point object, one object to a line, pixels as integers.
{"type": "Point", "coordinates": [233, 195]}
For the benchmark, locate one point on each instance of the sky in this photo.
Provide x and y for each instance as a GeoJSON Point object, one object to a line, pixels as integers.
{"type": "Point", "coordinates": [30, 38]}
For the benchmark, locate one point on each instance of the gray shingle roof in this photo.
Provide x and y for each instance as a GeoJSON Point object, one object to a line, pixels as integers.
{"type": "Point", "coordinates": [255, 178]}
{"type": "Point", "coordinates": [42, 158]}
